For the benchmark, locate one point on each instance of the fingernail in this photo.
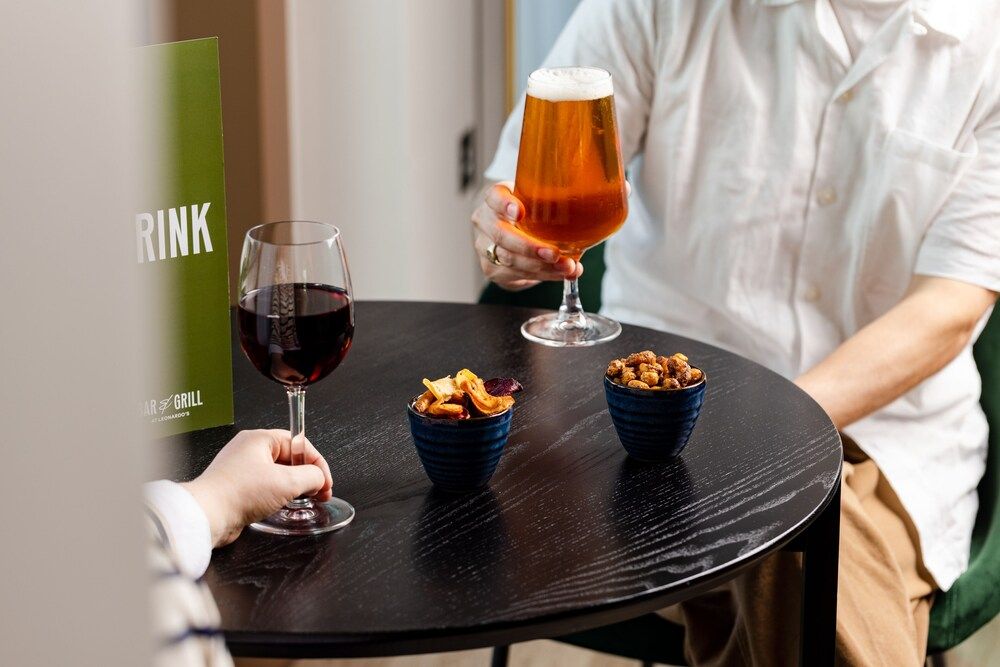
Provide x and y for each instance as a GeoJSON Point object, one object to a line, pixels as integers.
{"type": "Point", "coordinates": [547, 254]}
{"type": "Point", "coordinates": [512, 211]}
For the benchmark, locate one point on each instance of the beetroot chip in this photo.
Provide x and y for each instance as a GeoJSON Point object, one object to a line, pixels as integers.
{"type": "Point", "coordinates": [502, 386]}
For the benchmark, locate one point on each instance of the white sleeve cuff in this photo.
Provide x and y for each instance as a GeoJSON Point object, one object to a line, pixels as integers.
{"type": "Point", "coordinates": [185, 523]}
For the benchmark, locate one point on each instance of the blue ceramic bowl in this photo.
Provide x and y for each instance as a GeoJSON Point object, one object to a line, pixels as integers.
{"type": "Point", "coordinates": [654, 425]}
{"type": "Point", "coordinates": [460, 454]}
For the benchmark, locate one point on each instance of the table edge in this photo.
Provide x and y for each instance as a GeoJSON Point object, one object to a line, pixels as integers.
{"type": "Point", "coordinates": [356, 645]}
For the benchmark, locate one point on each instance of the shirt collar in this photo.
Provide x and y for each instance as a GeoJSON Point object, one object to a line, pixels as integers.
{"type": "Point", "coordinates": [948, 18]}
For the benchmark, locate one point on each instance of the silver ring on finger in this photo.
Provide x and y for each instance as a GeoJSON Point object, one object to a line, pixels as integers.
{"type": "Point", "coordinates": [491, 255]}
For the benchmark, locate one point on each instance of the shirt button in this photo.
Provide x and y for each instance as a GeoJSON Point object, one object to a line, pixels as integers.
{"type": "Point", "coordinates": [811, 293]}
{"type": "Point", "coordinates": [919, 29]}
{"type": "Point", "coordinates": [826, 196]}
{"type": "Point", "coordinates": [846, 96]}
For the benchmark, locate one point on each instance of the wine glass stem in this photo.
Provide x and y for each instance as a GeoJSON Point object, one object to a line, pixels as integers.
{"type": "Point", "coordinates": [297, 427]}
{"type": "Point", "coordinates": [571, 315]}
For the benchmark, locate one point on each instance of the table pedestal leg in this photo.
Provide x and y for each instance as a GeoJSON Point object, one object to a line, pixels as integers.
{"type": "Point", "coordinates": [820, 546]}
{"type": "Point", "coordinates": [500, 654]}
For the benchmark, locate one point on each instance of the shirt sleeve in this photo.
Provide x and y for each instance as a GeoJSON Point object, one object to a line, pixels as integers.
{"type": "Point", "coordinates": [617, 35]}
{"type": "Point", "coordinates": [183, 618]}
{"type": "Point", "coordinates": [963, 241]}
{"type": "Point", "coordinates": [187, 531]}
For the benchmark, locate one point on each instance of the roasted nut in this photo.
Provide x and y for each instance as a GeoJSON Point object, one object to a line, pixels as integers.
{"type": "Point", "coordinates": [645, 356]}
{"type": "Point", "coordinates": [657, 372]}
{"type": "Point", "coordinates": [638, 384]}
{"type": "Point", "coordinates": [676, 365]}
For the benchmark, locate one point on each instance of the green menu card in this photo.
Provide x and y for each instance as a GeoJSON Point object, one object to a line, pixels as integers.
{"type": "Point", "coordinates": [181, 244]}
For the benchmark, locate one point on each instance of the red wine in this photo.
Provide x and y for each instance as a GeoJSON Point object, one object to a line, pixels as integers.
{"type": "Point", "coordinates": [296, 333]}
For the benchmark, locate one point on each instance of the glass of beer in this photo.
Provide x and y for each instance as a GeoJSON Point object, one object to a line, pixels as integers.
{"type": "Point", "coordinates": [572, 185]}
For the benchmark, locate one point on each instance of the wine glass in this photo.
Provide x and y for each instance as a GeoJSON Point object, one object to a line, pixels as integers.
{"type": "Point", "coordinates": [571, 182]}
{"type": "Point", "coordinates": [296, 322]}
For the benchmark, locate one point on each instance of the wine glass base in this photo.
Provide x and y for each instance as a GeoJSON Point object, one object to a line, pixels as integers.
{"type": "Point", "coordinates": [547, 330]}
{"type": "Point", "coordinates": [312, 519]}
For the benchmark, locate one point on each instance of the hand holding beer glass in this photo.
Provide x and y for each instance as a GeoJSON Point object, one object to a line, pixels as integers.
{"type": "Point", "coordinates": [572, 186]}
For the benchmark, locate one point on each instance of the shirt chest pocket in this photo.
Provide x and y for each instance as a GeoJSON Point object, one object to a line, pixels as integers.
{"type": "Point", "coordinates": [913, 176]}
{"type": "Point", "coordinates": [909, 181]}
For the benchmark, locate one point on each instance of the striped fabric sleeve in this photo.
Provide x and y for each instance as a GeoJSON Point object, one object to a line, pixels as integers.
{"type": "Point", "coordinates": [183, 616]}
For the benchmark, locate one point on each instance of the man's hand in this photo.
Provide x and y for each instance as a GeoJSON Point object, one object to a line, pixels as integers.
{"type": "Point", "coordinates": [251, 479]}
{"type": "Point", "coordinates": [525, 262]}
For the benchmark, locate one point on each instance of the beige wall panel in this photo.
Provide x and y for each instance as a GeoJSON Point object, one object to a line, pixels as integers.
{"type": "Point", "coordinates": [72, 575]}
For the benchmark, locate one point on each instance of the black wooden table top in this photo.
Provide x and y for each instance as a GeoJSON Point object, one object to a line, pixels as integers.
{"type": "Point", "coordinates": [571, 534]}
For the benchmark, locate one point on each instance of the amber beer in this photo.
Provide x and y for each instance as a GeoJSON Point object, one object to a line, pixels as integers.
{"type": "Point", "coordinates": [569, 168]}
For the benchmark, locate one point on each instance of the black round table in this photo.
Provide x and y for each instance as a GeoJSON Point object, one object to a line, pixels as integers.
{"type": "Point", "coordinates": [570, 535]}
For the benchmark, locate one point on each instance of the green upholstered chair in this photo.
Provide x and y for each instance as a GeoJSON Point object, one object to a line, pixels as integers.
{"type": "Point", "coordinates": [971, 602]}
{"type": "Point", "coordinates": [549, 294]}
{"type": "Point", "coordinates": [974, 599]}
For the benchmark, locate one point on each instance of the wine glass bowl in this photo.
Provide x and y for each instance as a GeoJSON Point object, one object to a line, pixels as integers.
{"type": "Point", "coordinates": [305, 340]}
{"type": "Point", "coordinates": [296, 324]}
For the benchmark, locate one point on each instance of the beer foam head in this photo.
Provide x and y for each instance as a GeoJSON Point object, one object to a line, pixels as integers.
{"type": "Point", "coordinates": [569, 84]}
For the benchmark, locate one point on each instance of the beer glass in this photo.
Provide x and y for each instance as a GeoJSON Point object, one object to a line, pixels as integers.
{"type": "Point", "coordinates": [572, 184]}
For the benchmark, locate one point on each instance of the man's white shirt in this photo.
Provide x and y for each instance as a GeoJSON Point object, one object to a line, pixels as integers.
{"type": "Point", "coordinates": [786, 191]}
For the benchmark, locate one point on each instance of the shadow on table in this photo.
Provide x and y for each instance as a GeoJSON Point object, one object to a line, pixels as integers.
{"type": "Point", "coordinates": [650, 501]}
{"type": "Point", "coordinates": [460, 538]}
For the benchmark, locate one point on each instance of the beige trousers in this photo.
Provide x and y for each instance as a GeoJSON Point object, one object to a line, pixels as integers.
{"type": "Point", "coordinates": [883, 598]}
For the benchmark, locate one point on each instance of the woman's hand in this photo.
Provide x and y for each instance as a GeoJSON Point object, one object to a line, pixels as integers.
{"type": "Point", "coordinates": [524, 262]}
{"type": "Point", "coordinates": [250, 478]}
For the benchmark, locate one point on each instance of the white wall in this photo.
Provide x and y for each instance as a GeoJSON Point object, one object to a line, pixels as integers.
{"type": "Point", "coordinates": [380, 93]}
{"type": "Point", "coordinates": [536, 27]}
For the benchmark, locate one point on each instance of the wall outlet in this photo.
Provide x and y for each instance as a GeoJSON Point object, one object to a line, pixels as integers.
{"type": "Point", "coordinates": [467, 167]}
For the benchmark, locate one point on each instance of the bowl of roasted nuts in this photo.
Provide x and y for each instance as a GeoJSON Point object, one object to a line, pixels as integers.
{"type": "Point", "coordinates": [460, 426]}
{"type": "Point", "coordinates": [654, 402]}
